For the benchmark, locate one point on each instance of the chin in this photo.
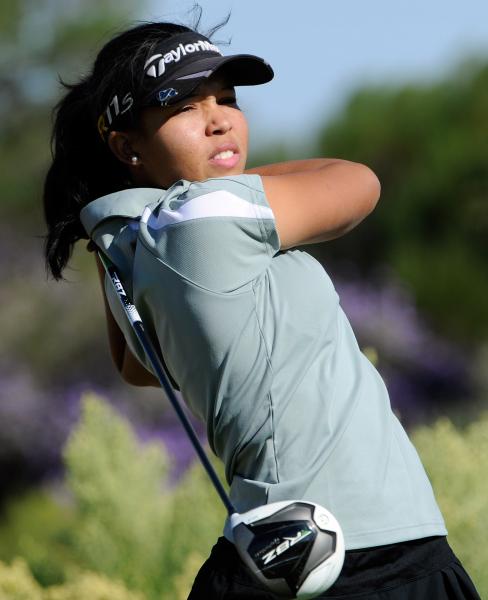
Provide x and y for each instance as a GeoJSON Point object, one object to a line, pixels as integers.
{"type": "Point", "coordinates": [227, 172]}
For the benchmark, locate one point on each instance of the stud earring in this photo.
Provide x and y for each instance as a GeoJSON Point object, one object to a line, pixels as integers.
{"type": "Point", "coordinates": [134, 160]}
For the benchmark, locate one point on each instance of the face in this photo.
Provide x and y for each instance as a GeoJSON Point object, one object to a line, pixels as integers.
{"type": "Point", "coordinates": [205, 135]}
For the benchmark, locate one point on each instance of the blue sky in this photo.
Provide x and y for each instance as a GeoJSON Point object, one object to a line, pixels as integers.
{"type": "Point", "coordinates": [322, 50]}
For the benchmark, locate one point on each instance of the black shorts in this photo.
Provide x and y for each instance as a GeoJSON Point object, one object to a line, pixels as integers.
{"type": "Point", "coordinates": [424, 569]}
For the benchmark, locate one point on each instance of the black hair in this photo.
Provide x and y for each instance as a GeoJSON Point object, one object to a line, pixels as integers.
{"type": "Point", "coordinates": [84, 168]}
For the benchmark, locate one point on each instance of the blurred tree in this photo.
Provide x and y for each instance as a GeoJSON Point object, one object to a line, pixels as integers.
{"type": "Point", "coordinates": [427, 144]}
{"type": "Point", "coordinates": [40, 41]}
{"type": "Point", "coordinates": [48, 341]}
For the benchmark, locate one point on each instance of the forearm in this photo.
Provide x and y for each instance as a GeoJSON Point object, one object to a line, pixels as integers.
{"type": "Point", "coordinates": [116, 337]}
{"type": "Point", "coordinates": [127, 364]}
{"type": "Point", "coordinates": [293, 166]}
{"type": "Point", "coordinates": [321, 203]}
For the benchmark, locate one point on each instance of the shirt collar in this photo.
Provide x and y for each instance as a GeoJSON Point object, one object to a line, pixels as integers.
{"type": "Point", "coordinates": [128, 203]}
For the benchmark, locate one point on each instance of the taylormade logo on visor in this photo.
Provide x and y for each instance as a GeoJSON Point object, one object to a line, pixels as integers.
{"type": "Point", "coordinates": [174, 56]}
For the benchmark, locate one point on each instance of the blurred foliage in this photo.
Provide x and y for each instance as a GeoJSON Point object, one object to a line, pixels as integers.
{"type": "Point", "coordinates": [427, 144]}
{"type": "Point", "coordinates": [457, 463]}
{"type": "Point", "coordinates": [40, 529]}
{"type": "Point", "coordinates": [183, 582]}
{"type": "Point", "coordinates": [46, 41]}
{"type": "Point", "coordinates": [117, 487]}
{"type": "Point", "coordinates": [41, 42]}
{"type": "Point", "coordinates": [49, 342]}
{"type": "Point", "coordinates": [17, 583]}
{"type": "Point", "coordinates": [197, 517]}
{"type": "Point", "coordinates": [121, 513]}
{"type": "Point", "coordinates": [128, 514]}
{"type": "Point", "coordinates": [124, 520]}
{"type": "Point", "coordinates": [426, 374]}
{"type": "Point", "coordinates": [91, 586]}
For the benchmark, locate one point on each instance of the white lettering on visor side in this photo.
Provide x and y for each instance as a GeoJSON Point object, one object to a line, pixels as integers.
{"type": "Point", "coordinates": [154, 69]}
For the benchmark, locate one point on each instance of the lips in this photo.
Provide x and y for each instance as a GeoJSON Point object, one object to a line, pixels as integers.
{"type": "Point", "coordinates": [226, 155]}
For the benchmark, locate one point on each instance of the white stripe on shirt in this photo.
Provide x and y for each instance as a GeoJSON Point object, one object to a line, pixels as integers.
{"type": "Point", "coordinates": [214, 204]}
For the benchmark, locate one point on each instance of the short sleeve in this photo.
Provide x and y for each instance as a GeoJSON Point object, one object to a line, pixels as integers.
{"type": "Point", "coordinates": [219, 234]}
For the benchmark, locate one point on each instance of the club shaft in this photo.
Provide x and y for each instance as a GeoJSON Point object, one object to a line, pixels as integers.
{"type": "Point", "coordinates": [159, 370]}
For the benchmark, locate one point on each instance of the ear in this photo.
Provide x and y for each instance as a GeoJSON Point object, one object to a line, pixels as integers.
{"type": "Point", "coordinates": [120, 144]}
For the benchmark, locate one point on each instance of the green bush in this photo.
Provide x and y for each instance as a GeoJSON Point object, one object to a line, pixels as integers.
{"type": "Point", "coordinates": [124, 521]}
{"type": "Point", "coordinates": [118, 488]}
{"type": "Point", "coordinates": [456, 461]}
{"type": "Point", "coordinates": [17, 583]}
{"type": "Point", "coordinates": [427, 144]}
{"type": "Point", "coordinates": [183, 582]}
{"type": "Point", "coordinates": [457, 464]}
{"type": "Point", "coordinates": [127, 525]}
{"type": "Point", "coordinates": [197, 519]}
{"type": "Point", "coordinates": [39, 527]}
{"type": "Point", "coordinates": [91, 586]}
{"type": "Point", "coordinates": [132, 526]}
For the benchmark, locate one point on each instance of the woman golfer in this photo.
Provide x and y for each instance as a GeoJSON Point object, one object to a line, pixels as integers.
{"type": "Point", "coordinates": [150, 163]}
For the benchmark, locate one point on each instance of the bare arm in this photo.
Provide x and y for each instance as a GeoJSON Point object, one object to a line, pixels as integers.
{"type": "Point", "coordinates": [318, 199]}
{"type": "Point", "coordinates": [313, 200]}
{"type": "Point", "coordinates": [292, 166]}
{"type": "Point", "coordinates": [127, 364]}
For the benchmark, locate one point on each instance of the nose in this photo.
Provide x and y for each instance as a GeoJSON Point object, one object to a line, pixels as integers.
{"type": "Point", "coordinates": [218, 121]}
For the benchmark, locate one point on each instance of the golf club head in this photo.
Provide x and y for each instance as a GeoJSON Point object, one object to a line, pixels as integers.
{"type": "Point", "coordinates": [294, 548]}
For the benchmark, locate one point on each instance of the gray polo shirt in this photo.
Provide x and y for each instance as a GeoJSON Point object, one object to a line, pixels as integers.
{"type": "Point", "coordinates": [265, 356]}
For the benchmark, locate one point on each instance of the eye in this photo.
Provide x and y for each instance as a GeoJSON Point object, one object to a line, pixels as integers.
{"type": "Point", "coordinates": [185, 108]}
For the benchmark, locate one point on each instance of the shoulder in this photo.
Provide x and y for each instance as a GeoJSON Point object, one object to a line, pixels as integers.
{"type": "Point", "coordinates": [244, 184]}
{"type": "Point", "coordinates": [233, 197]}
{"type": "Point", "coordinates": [212, 192]}
{"type": "Point", "coordinates": [129, 204]}
{"type": "Point", "coordinates": [218, 233]}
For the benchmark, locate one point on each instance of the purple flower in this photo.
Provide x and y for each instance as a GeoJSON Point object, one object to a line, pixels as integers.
{"type": "Point", "coordinates": [422, 371]}
{"type": "Point", "coordinates": [34, 425]}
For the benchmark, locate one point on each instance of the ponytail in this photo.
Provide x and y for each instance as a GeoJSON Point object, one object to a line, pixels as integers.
{"type": "Point", "coordinates": [83, 169]}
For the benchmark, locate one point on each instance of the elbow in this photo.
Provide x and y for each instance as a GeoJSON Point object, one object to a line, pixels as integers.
{"type": "Point", "coordinates": [136, 378]}
{"type": "Point", "coordinates": [134, 373]}
{"type": "Point", "coordinates": [376, 189]}
{"type": "Point", "coordinates": [126, 374]}
{"type": "Point", "coordinates": [371, 190]}
{"type": "Point", "coordinates": [136, 381]}
{"type": "Point", "coordinates": [366, 195]}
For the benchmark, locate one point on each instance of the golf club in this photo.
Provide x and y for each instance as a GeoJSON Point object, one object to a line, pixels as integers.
{"type": "Point", "coordinates": [294, 548]}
